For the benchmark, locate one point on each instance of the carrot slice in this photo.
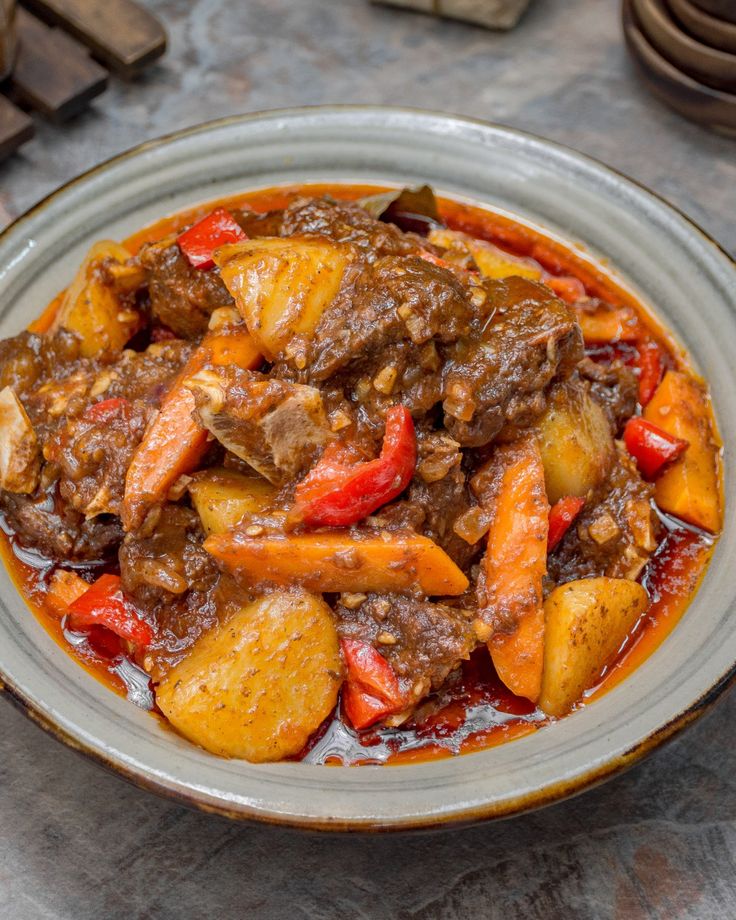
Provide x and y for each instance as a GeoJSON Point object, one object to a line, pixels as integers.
{"type": "Point", "coordinates": [689, 488]}
{"type": "Point", "coordinates": [175, 441]}
{"type": "Point", "coordinates": [609, 325]}
{"type": "Point", "coordinates": [510, 592]}
{"type": "Point", "coordinates": [340, 561]}
{"type": "Point", "coordinates": [64, 588]}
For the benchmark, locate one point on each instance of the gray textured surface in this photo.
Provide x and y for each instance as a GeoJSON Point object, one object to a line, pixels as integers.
{"type": "Point", "coordinates": [659, 842]}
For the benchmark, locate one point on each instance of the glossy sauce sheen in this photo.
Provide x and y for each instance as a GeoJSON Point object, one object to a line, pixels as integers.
{"type": "Point", "coordinates": [475, 711]}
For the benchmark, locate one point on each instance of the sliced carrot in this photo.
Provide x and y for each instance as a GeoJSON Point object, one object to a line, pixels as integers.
{"type": "Point", "coordinates": [689, 488]}
{"type": "Point", "coordinates": [340, 561]}
{"type": "Point", "coordinates": [515, 564]}
{"type": "Point", "coordinates": [64, 588]}
{"type": "Point", "coordinates": [609, 325]}
{"type": "Point", "coordinates": [175, 441]}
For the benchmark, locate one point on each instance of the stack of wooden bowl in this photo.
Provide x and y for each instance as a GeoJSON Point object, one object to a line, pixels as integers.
{"type": "Point", "coordinates": [686, 50]}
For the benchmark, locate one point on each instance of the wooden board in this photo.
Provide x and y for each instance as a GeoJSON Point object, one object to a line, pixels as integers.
{"type": "Point", "coordinates": [15, 128]}
{"type": "Point", "coordinates": [493, 14]}
{"type": "Point", "coordinates": [53, 73]}
{"type": "Point", "coordinates": [120, 33]}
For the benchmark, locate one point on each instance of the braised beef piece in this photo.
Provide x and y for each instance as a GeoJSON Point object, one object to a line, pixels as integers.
{"type": "Point", "coordinates": [256, 225]}
{"type": "Point", "coordinates": [391, 301]}
{"type": "Point", "coordinates": [47, 523]}
{"type": "Point", "coordinates": [348, 222]}
{"type": "Point", "coordinates": [443, 501]}
{"type": "Point", "coordinates": [182, 298]}
{"type": "Point", "coordinates": [614, 386]}
{"type": "Point", "coordinates": [277, 426]}
{"type": "Point", "coordinates": [499, 377]}
{"type": "Point", "coordinates": [615, 534]}
{"type": "Point", "coordinates": [88, 449]}
{"type": "Point", "coordinates": [166, 571]}
{"type": "Point", "coordinates": [28, 360]}
{"type": "Point", "coordinates": [421, 640]}
{"type": "Point", "coordinates": [91, 455]}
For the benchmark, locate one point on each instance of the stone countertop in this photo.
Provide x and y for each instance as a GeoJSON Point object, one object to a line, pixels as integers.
{"type": "Point", "coordinates": [658, 842]}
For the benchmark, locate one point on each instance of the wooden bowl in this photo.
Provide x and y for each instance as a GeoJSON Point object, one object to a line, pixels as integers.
{"type": "Point", "coordinates": [707, 65]}
{"type": "Point", "coordinates": [694, 100]}
{"type": "Point", "coordinates": [721, 9]}
{"type": "Point", "coordinates": [711, 31]}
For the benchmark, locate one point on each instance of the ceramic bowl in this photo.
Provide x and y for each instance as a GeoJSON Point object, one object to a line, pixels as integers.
{"type": "Point", "coordinates": [711, 31]}
{"type": "Point", "coordinates": [708, 65]}
{"type": "Point", "coordinates": [702, 104]}
{"type": "Point", "coordinates": [657, 251]}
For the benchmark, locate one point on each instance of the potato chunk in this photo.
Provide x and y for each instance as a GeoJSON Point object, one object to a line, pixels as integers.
{"type": "Point", "coordinates": [282, 286]}
{"type": "Point", "coordinates": [257, 686]}
{"type": "Point", "coordinates": [20, 458]}
{"type": "Point", "coordinates": [688, 488]}
{"type": "Point", "coordinates": [492, 261]}
{"type": "Point", "coordinates": [91, 308]}
{"type": "Point", "coordinates": [576, 443]}
{"type": "Point", "coordinates": [586, 622]}
{"type": "Point", "coordinates": [223, 497]}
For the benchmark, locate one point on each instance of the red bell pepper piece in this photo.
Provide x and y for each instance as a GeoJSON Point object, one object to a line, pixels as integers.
{"type": "Point", "coordinates": [338, 493]}
{"type": "Point", "coordinates": [201, 239]}
{"type": "Point", "coordinates": [104, 604]}
{"type": "Point", "coordinates": [106, 410]}
{"type": "Point", "coordinates": [651, 446]}
{"type": "Point", "coordinates": [651, 367]}
{"type": "Point", "coordinates": [371, 690]}
{"type": "Point", "coordinates": [561, 516]}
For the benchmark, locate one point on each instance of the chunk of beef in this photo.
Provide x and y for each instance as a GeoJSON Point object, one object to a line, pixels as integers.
{"type": "Point", "coordinates": [91, 454]}
{"type": "Point", "coordinates": [422, 641]}
{"type": "Point", "coordinates": [614, 386]}
{"type": "Point", "coordinates": [166, 570]}
{"type": "Point", "coordinates": [89, 449]}
{"type": "Point", "coordinates": [395, 300]}
{"type": "Point", "coordinates": [614, 535]}
{"type": "Point", "coordinates": [348, 222]}
{"type": "Point", "coordinates": [45, 523]}
{"type": "Point", "coordinates": [182, 297]}
{"type": "Point", "coordinates": [443, 497]}
{"type": "Point", "coordinates": [274, 425]}
{"type": "Point", "coordinates": [499, 376]}
{"type": "Point", "coordinates": [28, 360]}
{"type": "Point", "coordinates": [259, 224]}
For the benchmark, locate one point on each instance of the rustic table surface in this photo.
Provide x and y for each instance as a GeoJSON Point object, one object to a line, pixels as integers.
{"type": "Point", "coordinates": [658, 842]}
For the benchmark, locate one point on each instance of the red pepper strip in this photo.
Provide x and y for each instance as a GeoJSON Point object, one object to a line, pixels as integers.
{"type": "Point", "coordinates": [104, 604]}
{"type": "Point", "coordinates": [106, 410]}
{"type": "Point", "coordinates": [361, 708]}
{"type": "Point", "coordinates": [336, 493]}
{"type": "Point", "coordinates": [371, 690]}
{"type": "Point", "coordinates": [200, 240]}
{"type": "Point", "coordinates": [650, 366]}
{"type": "Point", "coordinates": [561, 516]}
{"type": "Point", "coordinates": [650, 446]}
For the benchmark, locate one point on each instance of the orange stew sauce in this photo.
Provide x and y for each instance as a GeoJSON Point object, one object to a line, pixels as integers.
{"type": "Point", "coordinates": [475, 711]}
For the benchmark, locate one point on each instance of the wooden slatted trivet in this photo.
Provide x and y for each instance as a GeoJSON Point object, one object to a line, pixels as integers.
{"type": "Point", "coordinates": [15, 127]}
{"type": "Point", "coordinates": [121, 34]}
{"type": "Point", "coordinates": [53, 73]}
{"type": "Point", "coordinates": [493, 14]}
